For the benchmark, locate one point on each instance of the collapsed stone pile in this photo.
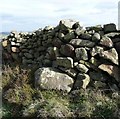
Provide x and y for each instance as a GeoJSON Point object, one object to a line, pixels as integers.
{"type": "Point", "coordinates": [86, 55]}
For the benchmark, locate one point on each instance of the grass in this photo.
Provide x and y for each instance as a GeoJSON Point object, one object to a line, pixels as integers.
{"type": "Point", "coordinates": [21, 99]}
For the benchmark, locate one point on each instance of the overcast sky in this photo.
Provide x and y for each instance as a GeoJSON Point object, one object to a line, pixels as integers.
{"type": "Point", "coordinates": [28, 15]}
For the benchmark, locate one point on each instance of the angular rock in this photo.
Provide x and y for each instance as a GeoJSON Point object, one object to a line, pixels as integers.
{"type": "Point", "coordinates": [15, 49]}
{"type": "Point", "coordinates": [66, 24]}
{"type": "Point", "coordinates": [112, 34]}
{"type": "Point", "coordinates": [96, 50]}
{"type": "Point", "coordinates": [50, 78]}
{"type": "Point", "coordinates": [57, 42]}
{"type": "Point", "coordinates": [82, 68]}
{"type": "Point", "coordinates": [82, 43]}
{"type": "Point", "coordinates": [96, 37]}
{"type": "Point", "coordinates": [117, 47]}
{"type": "Point", "coordinates": [67, 50]}
{"type": "Point", "coordinates": [109, 28]}
{"type": "Point", "coordinates": [112, 70]}
{"type": "Point", "coordinates": [82, 81]}
{"type": "Point", "coordinates": [79, 31]}
{"type": "Point", "coordinates": [106, 41]}
{"type": "Point", "coordinates": [69, 36]}
{"type": "Point", "coordinates": [111, 55]}
{"type": "Point", "coordinates": [81, 54]}
{"type": "Point", "coordinates": [5, 43]}
{"type": "Point", "coordinates": [98, 76]}
{"type": "Point", "coordinates": [66, 62]}
{"type": "Point", "coordinates": [61, 36]}
{"type": "Point", "coordinates": [85, 36]}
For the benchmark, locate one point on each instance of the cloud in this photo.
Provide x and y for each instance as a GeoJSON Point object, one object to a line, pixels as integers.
{"type": "Point", "coordinates": [32, 14]}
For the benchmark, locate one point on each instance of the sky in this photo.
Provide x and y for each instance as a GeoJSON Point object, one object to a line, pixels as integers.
{"type": "Point", "coordinates": [30, 15]}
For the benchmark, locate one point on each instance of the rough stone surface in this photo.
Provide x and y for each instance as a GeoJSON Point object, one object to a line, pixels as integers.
{"type": "Point", "coordinates": [81, 54]}
{"type": "Point", "coordinates": [67, 50]}
{"type": "Point", "coordinates": [112, 70]}
{"type": "Point", "coordinates": [96, 37]}
{"type": "Point", "coordinates": [106, 41]}
{"type": "Point", "coordinates": [66, 62]}
{"type": "Point", "coordinates": [50, 78]}
{"type": "Point", "coordinates": [82, 68]}
{"type": "Point", "coordinates": [111, 55]}
{"type": "Point", "coordinates": [82, 81]}
{"type": "Point", "coordinates": [109, 28]}
{"type": "Point", "coordinates": [82, 43]}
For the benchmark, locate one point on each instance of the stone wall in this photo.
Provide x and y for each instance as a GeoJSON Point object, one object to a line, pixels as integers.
{"type": "Point", "coordinates": [90, 54]}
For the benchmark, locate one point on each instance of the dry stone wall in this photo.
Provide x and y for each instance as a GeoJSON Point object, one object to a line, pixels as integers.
{"type": "Point", "coordinates": [89, 55]}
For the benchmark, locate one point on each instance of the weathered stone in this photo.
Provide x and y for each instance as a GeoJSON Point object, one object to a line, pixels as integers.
{"type": "Point", "coordinates": [82, 68]}
{"type": "Point", "coordinates": [66, 62]}
{"type": "Point", "coordinates": [71, 72]}
{"type": "Point", "coordinates": [28, 55]}
{"type": "Point", "coordinates": [82, 81]}
{"type": "Point", "coordinates": [95, 28]}
{"type": "Point", "coordinates": [81, 54]}
{"type": "Point", "coordinates": [66, 24]}
{"type": "Point", "coordinates": [67, 50]}
{"type": "Point", "coordinates": [47, 28]}
{"type": "Point", "coordinates": [112, 70]}
{"type": "Point", "coordinates": [61, 36]}
{"type": "Point", "coordinates": [106, 41]}
{"type": "Point", "coordinates": [57, 43]}
{"type": "Point", "coordinates": [96, 37]}
{"type": "Point", "coordinates": [50, 78]}
{"type": "Point", "coordinates": [112, 34]}
{"type": "Point", "coordinates": [111, 55]}
{"type": "Point", "coordinates": [82, 43]}
{"type": "Point", "coordinates": [53, 52]}
{"type": "Point", "coordinates": [98, 76]}
{"type": "Point", "coordinates": [13, 43]}
{"type": "Point", "coordinates": [94, 61]}
{"type": "Point", "coordinates": [15, 49]}
{"type": "Point", "coordinates": [85, 36]}
{"type": "Point", "coordinates": [117, 47]}
{"type": "Point", "coordinates": [47, 62]}
{"type": "Point", "coordinates": [5, 43]}
{"type": "Point", "coordinates": [69, 36]}
{"type": "Point", "coordinates": [109, 28]}
{"type": "Point", "coordinates": [79, 31]}
{"type": "Point", "coordinates": [96, 50]}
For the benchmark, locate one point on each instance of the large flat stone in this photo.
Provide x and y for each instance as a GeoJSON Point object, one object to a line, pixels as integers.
{"type": "Point", "coordinates": [50, 78]}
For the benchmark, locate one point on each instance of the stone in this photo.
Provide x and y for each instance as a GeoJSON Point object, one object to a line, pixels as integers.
{"type": "Point", "coordinates": [57, 43]}
{"type": "Point", "coordinates": [28, 55]}
{"type": "Point", "coordinates": [117, 47]}
{"type": "Point", "coordinates": [67, 50]}
{"type": "Point", "coordinates": [5, 43]}
{"type": "Point", "coordinates": [66, 62]}
{"type": "Point", "coordinates": [15, 56]}
{"type": "Point", "coordinates": [98, 76]}
{"type": "Point", "coordinates": [109, 28]}
{"type": "Point", "coordinates": [47, 28]}
{"type": "Point", "coordinates": [50, 78]}
{"type": "Point", "coordinates": [82, 43]}
{"type": "Point", "coordinates": [110, 55]}
{"type": "Point", "coordinates": [112, 70]}
{"type": "Point", "coordinates": [69, 36]}
{"type": "Point", "coordinates": [81, 54]}
{"type": "Point", "coordinates": [70, 71]}
{"type": "Point", "coordinates": [82, 68]}
{"type": "Point", "coordinates": [106, 41]}
{"type": "Point", "coordinates": [96, 50]}
{"type": "Point", "coordinates": [15, 49]}
{"type": "Point", "coordinates": [79, 31]}
{"type": "Point", "coordinates": [61, 36]}
{"type": "Point", "coordinates": [94, 61]}
{"type": "Point", "coordinates": [66, 24]}
{"type": "Point", "coordinates": [112, 34]}
{"type": "Point", "coordinates": [115, 40]}
{"type": "Point", "coordinates": [85, 36]}
{"type": "Point", "coordinates": [95, 28]}
{"type": "Point", "coordinates": [96, 37]}
{"type": "Point", "coordinates": [82, 81]}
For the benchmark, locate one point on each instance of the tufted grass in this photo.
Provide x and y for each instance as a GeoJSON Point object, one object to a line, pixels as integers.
{"type": "Point", "coordinates": [21, 99]}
